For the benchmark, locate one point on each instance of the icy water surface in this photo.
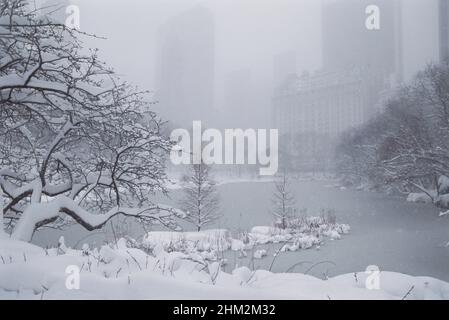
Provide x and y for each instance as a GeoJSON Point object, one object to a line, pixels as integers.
{"type": "Point", "coordinates": [385, 231]}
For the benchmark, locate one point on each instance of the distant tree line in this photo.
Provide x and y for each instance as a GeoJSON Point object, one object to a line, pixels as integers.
{"type": "Point", "coordinates": [406, 147]}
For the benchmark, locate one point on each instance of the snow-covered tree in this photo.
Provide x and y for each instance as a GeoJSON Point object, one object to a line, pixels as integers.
{"type": "Point", "coordinates": [201, 200]}
{"type": "Point", "coordinates": [283, 201]}
{"type": "Point", "coordinates": [2, 203]}
{"type": "Point", "coordinates": [75, 141]}
{"type": "Point", "coordinates": [407, 145]}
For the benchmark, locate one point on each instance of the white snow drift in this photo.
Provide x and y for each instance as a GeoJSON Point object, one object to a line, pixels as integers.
{"type": "Point", "coordinates": [30, 272]}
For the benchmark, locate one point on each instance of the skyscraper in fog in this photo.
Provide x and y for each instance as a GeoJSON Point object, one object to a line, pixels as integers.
{"type": "Point", "coordinates": [347, 43]}
{"type": "Point", "coordinates": [185, 66]}
{"type": "Point", "coordinates": [444, 28]}
{"type": "Point", "coordinates": [360, 66]}
{"type": "Point", "coordinates": [376, 55]}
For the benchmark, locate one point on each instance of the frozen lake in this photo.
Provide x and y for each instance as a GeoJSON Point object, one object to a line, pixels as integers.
{"type": "Point", "coordinates": [385, 231]}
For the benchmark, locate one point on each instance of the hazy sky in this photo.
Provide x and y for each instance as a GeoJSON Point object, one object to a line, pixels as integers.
{"type": "Point", "coordinates": [248, 34]}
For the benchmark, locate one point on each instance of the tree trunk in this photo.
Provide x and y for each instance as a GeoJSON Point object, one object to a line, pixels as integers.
{"type": "Point", "coordinates": [2, 226]}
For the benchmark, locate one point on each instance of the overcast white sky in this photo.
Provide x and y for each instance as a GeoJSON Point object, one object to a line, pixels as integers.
{"type": "Point", "coordinates": [248, 34]}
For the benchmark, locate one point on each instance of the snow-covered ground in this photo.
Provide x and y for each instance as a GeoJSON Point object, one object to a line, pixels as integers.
{"type": "Point", "coordinates": [30, 272]}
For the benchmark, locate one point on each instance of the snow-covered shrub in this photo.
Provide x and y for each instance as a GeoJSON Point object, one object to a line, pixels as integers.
{"type": "Point", "coordinates": [303, 232]}
{"type": "Point", "coordinates": [259, 254]}
{"type": "Point", "coordinates": [208, 243]}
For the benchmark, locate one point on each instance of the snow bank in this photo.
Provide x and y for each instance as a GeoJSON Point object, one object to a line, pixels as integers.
{"type": "Point", "coordinates": [441, 200]}
{"type": "Point", "coordinates": [419, 197]}
{"type": "Point", "coordinates": [119, 272]}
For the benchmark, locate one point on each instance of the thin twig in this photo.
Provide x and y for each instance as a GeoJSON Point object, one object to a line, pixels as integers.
{"type": "Point", "coordinates": [318, 263]}
{"type": "Point", "coordinates": [408, 292]}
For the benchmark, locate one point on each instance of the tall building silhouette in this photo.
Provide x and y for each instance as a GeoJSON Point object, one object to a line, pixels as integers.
{"type": "Point", "coordinates": [185, 66]}
{"type": "Point", "coordinates": [360, 66]}
{"type": "Point", "coordinates": [444, 29]}
{"type": "Point", "coordinates": [347, 43]}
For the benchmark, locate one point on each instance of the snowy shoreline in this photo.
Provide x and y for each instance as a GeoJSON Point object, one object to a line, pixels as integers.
{"type": "Point", "coordinates": [30, 272]}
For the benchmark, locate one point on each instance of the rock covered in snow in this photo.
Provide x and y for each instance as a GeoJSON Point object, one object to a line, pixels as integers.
{"type": "Point", "coordinates": [443, 185]}
{"type": "Point", "coordinates": [419, 197]}
{"type": "Point", "coordinates": [259, 254]}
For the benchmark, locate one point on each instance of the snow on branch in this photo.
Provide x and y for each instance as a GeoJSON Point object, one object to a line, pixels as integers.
{"type": "Point", "coordinates": [44, 212]}
{"type": "Point", "coordinates": [74, 138]}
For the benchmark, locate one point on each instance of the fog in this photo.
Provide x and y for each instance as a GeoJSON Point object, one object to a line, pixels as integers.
{"type": "Point", "coordinates": [304, 138]}
{"type": "Point", "coordinates": [247, 35]}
